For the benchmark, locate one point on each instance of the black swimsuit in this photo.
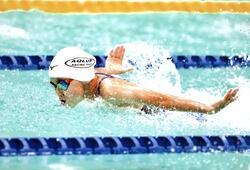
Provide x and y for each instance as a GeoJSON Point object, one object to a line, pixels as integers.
{"type": "Point", "coordinates": [99, 83]}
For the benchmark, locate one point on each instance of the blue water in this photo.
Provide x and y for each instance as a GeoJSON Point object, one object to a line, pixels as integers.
{"type": "Point", "coordinates": [181, 33]}
{"type": "Point", "coordinates": [29, 106]}
{"type": "Point", "coordinates": [213, 161]}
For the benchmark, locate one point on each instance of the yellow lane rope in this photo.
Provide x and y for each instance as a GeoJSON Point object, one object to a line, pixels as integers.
{"type": "Point", "coordinates": [125, 6]}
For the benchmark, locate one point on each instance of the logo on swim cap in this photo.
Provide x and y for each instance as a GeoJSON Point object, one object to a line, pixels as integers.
{"type": "Point", "coordinates": [80, 62]}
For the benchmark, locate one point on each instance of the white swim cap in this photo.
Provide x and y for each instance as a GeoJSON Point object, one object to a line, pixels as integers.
{"type": "Point", "coordinates": [73, 63]}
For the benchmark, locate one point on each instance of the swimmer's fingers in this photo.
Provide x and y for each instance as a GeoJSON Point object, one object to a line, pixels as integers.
{"type": "Point", "coordinates": [116, 55]}
{"type": "Point", "coordinates": [119, 53]}
{"type": "Point", "coordinates": [111, 53]}
{"type": "Point", "coordinates": [235, 94]}
{"type": "Point", "coordinates": [231, 95]}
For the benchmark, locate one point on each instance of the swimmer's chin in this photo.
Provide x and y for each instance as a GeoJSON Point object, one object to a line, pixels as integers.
{"type": "Point", "coordinates": [70, 104]}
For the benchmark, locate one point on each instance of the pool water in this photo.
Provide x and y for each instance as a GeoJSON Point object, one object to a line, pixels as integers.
{"type": "Point", "coordinates": [29, 106]}
{"type": "Point", "coordinates": [213, 161]}
{"type": "Point", "coordinates": [181, 33]}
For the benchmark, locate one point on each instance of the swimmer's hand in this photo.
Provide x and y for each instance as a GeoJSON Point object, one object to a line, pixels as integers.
{"type": "Point", "coordinates": [114, 61]}
{"type": "Point", "coordinates": [230, 96]}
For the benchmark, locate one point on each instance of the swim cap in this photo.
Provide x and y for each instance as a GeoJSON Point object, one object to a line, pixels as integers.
{"type": "Point", "coordinates": [73, 63]}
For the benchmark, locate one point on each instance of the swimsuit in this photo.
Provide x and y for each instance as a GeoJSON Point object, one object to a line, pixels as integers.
{"type": "Point", "coordinates": [99, 83]}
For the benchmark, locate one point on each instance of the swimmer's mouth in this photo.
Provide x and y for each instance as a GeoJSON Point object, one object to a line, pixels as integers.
{"type": "Point", "coordinates": [63, 102]}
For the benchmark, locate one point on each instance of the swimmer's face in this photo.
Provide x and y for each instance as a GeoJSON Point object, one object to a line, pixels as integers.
{"type": "Point", "coordinates": [69, 92]}
{"type": "Point", "coordinates": [60, 86]}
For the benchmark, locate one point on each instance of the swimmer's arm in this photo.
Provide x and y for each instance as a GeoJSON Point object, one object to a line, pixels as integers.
{"type": "Point", "coordinates": [181, 104]}
{"type": "Point", "coordinates": [171, 102]}
{"type": "Point", "coordinates": [114, 62]}
{"type": "Point", "coordinates": [126, 91]}
{"type": "Point", "coordinates": [112, 70]}
{"type": "Point", "coordinates": [129, 91]}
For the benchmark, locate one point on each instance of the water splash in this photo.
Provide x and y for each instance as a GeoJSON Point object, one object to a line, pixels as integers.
{"type": "Point", "coordinates": [13, 32]}
{"type": "Point", "coordinates": [236, 114]}
{"type": "Point", "coordinates": [57, 166]}
{"type": "Point", "coordinates": [153, 67]}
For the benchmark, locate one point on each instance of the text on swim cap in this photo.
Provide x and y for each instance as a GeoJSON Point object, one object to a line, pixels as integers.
{"type": "Point", "coordinates": [80, 62]}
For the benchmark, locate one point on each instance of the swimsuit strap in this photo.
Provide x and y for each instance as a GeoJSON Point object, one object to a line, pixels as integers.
{"type": "Point", "coordinates": [99, 83]}
{"type": "Point", "coordinates": [104, 74]}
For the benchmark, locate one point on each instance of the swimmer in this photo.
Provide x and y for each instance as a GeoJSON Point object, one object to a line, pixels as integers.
{"type": "Point", "coordinates": [74, 78]}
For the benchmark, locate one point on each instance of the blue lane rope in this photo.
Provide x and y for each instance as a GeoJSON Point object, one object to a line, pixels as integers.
{"type": "Point", "coordinates": [36, 62]}
{"type": "Point", "coordinates": [122, 145]}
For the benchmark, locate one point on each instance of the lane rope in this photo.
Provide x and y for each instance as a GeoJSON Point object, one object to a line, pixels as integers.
{"type": "Point", "coordinates": [36, 62]}
{"type": "Point", "coordinates": [122, 145]}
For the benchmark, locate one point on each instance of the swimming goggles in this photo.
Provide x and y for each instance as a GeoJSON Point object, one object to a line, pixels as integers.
{"type": "Point", "coordinates": [62, 84]}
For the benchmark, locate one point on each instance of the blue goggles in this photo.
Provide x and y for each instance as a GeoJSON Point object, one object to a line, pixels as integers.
{"type": "Point", "coordinates": [62, 85]}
